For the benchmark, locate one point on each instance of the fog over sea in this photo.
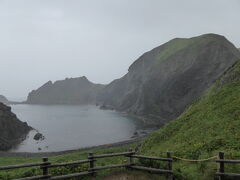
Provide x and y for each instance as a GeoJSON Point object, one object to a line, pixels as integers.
{"type": "Point", "coordinates": [67, 127]}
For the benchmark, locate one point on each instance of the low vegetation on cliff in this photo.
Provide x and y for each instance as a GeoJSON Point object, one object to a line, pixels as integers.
{"type": "Point", "coordinates": [209, 125]}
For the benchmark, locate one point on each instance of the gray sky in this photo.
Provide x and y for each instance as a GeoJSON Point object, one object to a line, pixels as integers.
{"type": "Point", "coordinates": [43, 40]}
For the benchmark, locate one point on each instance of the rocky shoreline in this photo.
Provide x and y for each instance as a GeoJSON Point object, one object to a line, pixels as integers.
{"type": "Point", "coordinates": [12, 130]}
{"type": "Point", "coordinates": [49, 154]}
{"type": "Point", "coordinates": [140, 134]}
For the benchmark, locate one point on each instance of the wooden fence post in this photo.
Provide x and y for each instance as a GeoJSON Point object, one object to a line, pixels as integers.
{"type": "Point", "coordinates": [130, 161]}
{"type": "Point", "coordinates": [170, 167]}
{"type": "Point", "coordinates": [44, 167]}
{"type": "Point", "coordinates": [221, 165]}
{"type": "Point", "coordinates": [91, 163]}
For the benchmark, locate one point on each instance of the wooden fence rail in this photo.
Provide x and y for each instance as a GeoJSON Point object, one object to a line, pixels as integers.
{"type": "Point", "coordinates": [221, 171]}
{"type": "Point", "coordinates": [92, 169]}
{"type": "Point", "coordinates": [131, 155]}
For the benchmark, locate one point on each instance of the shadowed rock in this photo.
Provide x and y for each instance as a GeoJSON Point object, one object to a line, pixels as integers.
{"type": "Point", "coordinates": [12, 130]}
{"type": "Point", "coordinates": [38, 136]}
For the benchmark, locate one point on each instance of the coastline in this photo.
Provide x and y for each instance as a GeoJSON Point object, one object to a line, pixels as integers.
{"type": "Point", "coordinates": [49, 154]}
{"type": "Point", "coordinates": [142, 131]}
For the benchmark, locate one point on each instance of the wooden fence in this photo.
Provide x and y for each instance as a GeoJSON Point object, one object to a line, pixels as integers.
{"type": "Point", "coordinates": [221, 171]}
{"type": "Point", "coordinates": [92, 168]}
{"type": "Point", "coordinates": [131, 155]}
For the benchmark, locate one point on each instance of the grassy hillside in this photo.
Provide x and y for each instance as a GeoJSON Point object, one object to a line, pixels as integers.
{"type": "Point", "coordinates": [209, 125]}
{"type": "Point", "coordinates": [104, 174]}
{"type": "Point", "coordinates": [26, 172]}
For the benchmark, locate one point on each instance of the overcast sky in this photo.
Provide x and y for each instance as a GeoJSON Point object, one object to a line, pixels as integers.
{"type": "Point", "coordinates": [43, 40]}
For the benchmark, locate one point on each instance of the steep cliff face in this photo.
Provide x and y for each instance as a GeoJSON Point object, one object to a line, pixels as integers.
{"type": "Point", "coordinates": [12, 130]}
{"type": "Point", "coordinates": [3, 99]}
{"type": "Point", "coordinates": [164, 81]}
{"type": "Point", "coordinates": [68, 91]}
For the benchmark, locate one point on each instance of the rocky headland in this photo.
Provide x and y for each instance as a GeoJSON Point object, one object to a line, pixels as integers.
{"type": "Point", "coordinates": [164, 81]}
{"type": "Point", "coordinates": [12, 130]}
{"type": "Point", "coordinates": [69, 91]}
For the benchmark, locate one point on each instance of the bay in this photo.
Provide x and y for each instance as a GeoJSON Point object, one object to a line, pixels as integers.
{"type": "Point", "coordinates": [67, 127]}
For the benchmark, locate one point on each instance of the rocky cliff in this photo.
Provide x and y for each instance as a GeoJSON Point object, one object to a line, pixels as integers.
{"type": "Point", "coordinates": [164, 81]}
{"type": "Point", "coordinates": [3, 99]}
{"type": "Point", "coordinates": [68, 91]}
{"type": "Point", "coordinates": [12, 130]}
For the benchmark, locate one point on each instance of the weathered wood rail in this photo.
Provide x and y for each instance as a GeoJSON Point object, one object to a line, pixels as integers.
{"type": "Point", "coordinates": [92, 169]}
{"type": "Point", "coordinates": [221, 171]}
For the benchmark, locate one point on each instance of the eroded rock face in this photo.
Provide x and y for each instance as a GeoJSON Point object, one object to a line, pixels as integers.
{"type": "Point", "coordinates": [68, 91]}
{"type": "Point", "coordinates": [164, 81]}
{"type": "Point", "coordinates": [12, 130]}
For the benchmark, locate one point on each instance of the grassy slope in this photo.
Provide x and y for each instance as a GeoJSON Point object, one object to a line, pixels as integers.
{"type": "Point", "coordinates": [27, 172]}
{"type": "Point", "coordinates": [178, 44]}
{"type": "Point", "coordinates": [209, 125]}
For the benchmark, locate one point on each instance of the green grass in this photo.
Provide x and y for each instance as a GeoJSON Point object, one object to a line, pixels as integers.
{"type": "Point", "coordinates": [27, 172]}
{"type": "Point", "coordinates": [210, 125]}
{"type": "Point", "coordinates": [178, 44]}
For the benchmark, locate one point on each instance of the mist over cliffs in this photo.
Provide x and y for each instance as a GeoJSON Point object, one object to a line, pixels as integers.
{"type": "Point", "coordinates": [158, 86]}
{"type": "Point", "coordinates": [12, 130]}
{"type": "Point", "coordinates": [69, 91]}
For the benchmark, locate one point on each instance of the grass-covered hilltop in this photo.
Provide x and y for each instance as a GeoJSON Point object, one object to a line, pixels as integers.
{"type": "Point", "coordinates": [190, 85]}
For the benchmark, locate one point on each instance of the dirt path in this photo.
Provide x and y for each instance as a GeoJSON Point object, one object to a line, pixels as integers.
{"type": "Point", "coordinates": [130, 176]}
{"type": "Point", "coordinates": [125, 176]}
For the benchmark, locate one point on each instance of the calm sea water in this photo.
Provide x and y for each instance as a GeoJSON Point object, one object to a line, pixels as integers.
{"type": "Point", "coordinates": [72, 127]}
